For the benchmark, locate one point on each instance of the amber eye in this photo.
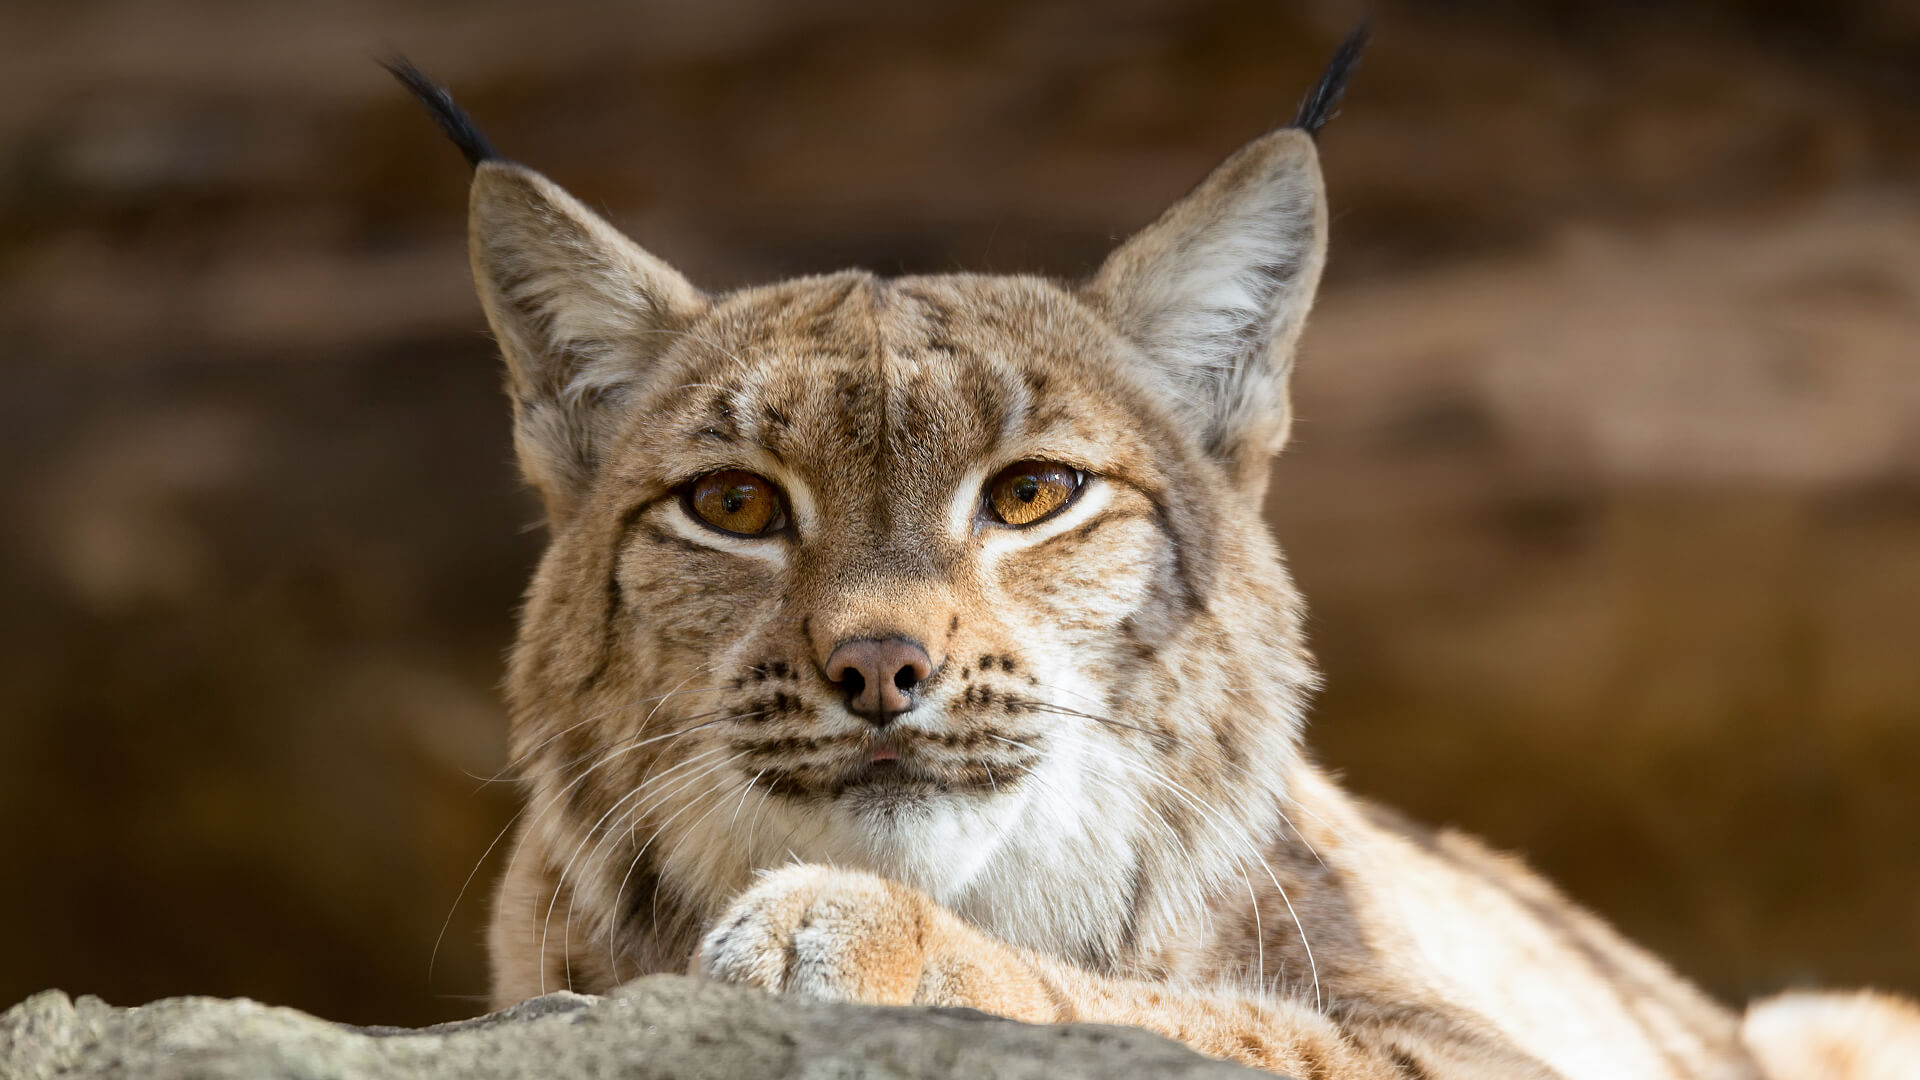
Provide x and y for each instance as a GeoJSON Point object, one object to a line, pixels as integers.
{"type": "Point", "coordinates": [738, 502]}
{"type": "Point", "coordinates": [1027, 491]}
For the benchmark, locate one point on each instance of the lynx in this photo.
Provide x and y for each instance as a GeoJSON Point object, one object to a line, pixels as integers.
{"type": "Point", "coordinates": [920, 641]}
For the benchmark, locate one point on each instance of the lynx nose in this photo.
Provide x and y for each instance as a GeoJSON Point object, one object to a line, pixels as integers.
{"type": "Point", "coordinates": [879, 675]}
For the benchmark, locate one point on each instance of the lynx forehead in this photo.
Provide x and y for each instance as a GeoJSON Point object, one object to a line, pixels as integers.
{"type": "Point", "coordinates": [919, 640]}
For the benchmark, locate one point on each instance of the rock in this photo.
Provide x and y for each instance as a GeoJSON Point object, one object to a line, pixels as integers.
{"type": "Point", "coordinates": [663, 1027]}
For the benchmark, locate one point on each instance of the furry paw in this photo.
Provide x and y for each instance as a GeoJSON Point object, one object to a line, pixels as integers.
{"type": "Point", "coordinates": [833, 935]}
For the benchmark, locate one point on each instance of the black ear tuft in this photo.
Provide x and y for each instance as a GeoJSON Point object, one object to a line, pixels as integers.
{"type": "Point", "coordinates": [452, 119]}
{"type": "Point", "coordinates": [1320, 105]}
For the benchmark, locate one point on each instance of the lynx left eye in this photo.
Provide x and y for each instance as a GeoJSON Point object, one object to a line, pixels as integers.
{"type": "Point", "coordinates": [1028, 492]}
{"type": "Point", "coordinates": [738, 502]}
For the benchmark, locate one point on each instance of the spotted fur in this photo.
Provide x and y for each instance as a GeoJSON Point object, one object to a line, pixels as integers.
{"type": "Point", "coordinates": [1098, 808]}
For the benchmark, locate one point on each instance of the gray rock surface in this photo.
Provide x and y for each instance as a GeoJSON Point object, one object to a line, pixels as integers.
{"type": "Point", "coordinates": [659, 1028]}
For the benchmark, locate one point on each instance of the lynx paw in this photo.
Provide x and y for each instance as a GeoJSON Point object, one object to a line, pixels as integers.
{"type": "Point", "coordinates": [834, 935]}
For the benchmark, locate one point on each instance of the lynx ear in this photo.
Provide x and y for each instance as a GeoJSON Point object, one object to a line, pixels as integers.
{"type": "Point", "coordinates": [580, 311]}
{"type": "Point", "coordinates": [1215, 294]}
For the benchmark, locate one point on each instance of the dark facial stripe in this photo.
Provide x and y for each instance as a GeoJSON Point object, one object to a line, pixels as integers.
{"type": "Point", "coordinates": [613, 600]}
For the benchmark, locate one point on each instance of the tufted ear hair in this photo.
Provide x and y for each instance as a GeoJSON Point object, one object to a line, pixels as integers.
{"type": "Point", "coordinates": [581, 313]}
{"type": "Point", "coordinates": [1216, 292]}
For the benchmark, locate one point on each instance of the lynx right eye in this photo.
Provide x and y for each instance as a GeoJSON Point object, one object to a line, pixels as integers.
{"type": "Point", "coordinates": [737, 502]}
{"type": "Point", "coordinates": [1028, 491]}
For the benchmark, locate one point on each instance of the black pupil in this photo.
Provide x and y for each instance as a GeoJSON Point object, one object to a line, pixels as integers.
{"type": "Point", "coordinates": [734, 498]}
{"type": "Point", "coordinates": [1026, 489]}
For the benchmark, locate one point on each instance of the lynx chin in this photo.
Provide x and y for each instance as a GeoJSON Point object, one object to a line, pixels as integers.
{"type": "Point", "coordinates": [919, 640]}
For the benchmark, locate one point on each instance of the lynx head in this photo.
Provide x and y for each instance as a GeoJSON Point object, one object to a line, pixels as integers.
{"type": "Point", "coordinates": [961, 579]}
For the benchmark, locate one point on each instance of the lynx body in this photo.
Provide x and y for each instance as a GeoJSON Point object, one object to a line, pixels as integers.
{"type": "Point", "coordinates": [920, 641]}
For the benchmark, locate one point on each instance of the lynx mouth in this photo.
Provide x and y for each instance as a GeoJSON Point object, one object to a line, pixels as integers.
{"type": "Point", "coordinates": [892, 773]}
{"type": "Point", "coordinates": [889, 774]}
{"type": "Point", "coordinates": [890, 766]}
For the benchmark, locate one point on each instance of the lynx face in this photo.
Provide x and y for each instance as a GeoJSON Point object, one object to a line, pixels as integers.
{"type": "Point", "coordinates": [960, 580]}
{"type": "Point", "coordinates": [889, 640]}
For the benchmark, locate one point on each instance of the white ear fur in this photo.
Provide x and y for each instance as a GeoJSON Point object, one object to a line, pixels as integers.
{"type": "Point", "coordinates": [580, 311]}
{"type": "Point", "coordinates": [1216, 292]}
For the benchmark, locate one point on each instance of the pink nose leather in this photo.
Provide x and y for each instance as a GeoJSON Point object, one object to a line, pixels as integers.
{"type": "Point", "coordinates": [879, 675]}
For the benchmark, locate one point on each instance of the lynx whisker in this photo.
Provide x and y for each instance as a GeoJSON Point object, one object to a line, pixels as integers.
{"type": "Point", "coordinates": [605, 759]}
{"type": "Point", "coordinates": [561, 882]}
{"type": "Point", "coordinates": [1239, 833]}
{"type": "Point", "coordinates": [613, 909]}
{"type": "Point", "coordinates": [1236, 766]}
{"type": "Point", "coordinates": [743, 797]}
{"type": "Point", "coordinates": [591, 831]}
{"type": "Point", "coordinates": [522, 757]}
{"type": "Point", "coordinates": [1051, 790]}
{"type": "Point", "coordinates": [434, 956]}
{"type": "Point", "coordinates": [1061, 710]}
{"type": "Point", "coordinates": [676, 691]}
{"type": "Point", "coordinates": [481, 861]}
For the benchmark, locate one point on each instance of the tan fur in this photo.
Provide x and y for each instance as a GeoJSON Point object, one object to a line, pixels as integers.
{"type": "Point", "coordinates": [1101, 810]}
{"type": "Point", "coordinates": [1861, 1036]}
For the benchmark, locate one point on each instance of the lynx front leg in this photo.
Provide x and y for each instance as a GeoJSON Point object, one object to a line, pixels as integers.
{"type": "Point", "coordinates": [843, 936]}
{"type": "Point", "coordinates": [837, 935]}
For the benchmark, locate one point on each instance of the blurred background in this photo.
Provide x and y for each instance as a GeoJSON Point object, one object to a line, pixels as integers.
{"type": "Point", "coordinates": [1605, 490]}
